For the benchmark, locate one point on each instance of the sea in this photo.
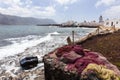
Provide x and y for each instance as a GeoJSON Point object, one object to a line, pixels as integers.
{"type": "Point", "coordinates": [15, 39]}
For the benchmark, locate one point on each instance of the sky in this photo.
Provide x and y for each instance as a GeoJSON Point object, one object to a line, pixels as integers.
{"type": "Point", "coordinates": [62, 10]}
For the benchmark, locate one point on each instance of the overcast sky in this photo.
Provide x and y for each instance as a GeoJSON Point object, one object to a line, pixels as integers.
{"type": "Point", "coordinates": [62, 10]}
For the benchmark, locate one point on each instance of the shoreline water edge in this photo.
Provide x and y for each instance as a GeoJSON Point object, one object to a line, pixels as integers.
{"type": "Point", "coordinates": [10, 68]}
{"type": "Point", "coordinates": [9, 64]}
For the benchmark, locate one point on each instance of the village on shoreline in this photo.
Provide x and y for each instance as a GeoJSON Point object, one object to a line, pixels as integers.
{"type": "Point", "coordinates": [93, 24]}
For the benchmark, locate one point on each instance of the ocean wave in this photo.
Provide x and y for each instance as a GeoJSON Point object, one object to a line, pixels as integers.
{"type": "Point", "coordinates": [23, 39]}
{"type": "Point", "coordinates": [54, 33]}
{"type": "Point", "coordinates": [20, 44]}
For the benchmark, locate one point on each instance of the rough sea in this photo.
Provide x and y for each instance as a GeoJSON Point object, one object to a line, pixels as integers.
{"type": "Point", "coordinates": [15, 39]}
{"type": "Point", "coordinates": [19, 41]}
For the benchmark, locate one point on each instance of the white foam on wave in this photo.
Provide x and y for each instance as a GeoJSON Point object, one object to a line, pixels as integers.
{"type": "Point", "coordinates": [23, 39]}
{"type": "Point", "coordinates": [20, 44]}
{"type": "Point", "coordinates": [54, 33]}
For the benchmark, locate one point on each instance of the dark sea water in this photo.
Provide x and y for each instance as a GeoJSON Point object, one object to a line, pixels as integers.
{"type": "Point", "coordinates": [16, 38]}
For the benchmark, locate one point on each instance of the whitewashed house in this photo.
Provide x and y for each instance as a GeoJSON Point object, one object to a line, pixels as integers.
{"type": "Point", "coordinates": [112, 22]}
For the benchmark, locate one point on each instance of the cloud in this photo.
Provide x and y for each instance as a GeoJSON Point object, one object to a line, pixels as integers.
{"type": "Point", "coordinates": [26, 9]}
{"type": "Point", "coordinates": [112, 9]}
{"type": "Point", "coordinates": [105, 2]}
{"type": "Point", "coordinates": [11, 2]}
{"type": "Point", "coordinates": [66, 7]}
{"type": "Point", "coordinates": [66, 2]}
{"type": "Point", "coordinates": [38, 12]}
{"type": "Point", "coordinates": [112, 12]}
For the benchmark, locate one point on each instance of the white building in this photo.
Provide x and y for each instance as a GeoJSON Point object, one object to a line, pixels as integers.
{"type": "Point", "coordinates": [112, 22]}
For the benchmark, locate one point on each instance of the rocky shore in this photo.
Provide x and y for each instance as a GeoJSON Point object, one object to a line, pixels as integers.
{"type": "Point", "coordinates": [10, 67]}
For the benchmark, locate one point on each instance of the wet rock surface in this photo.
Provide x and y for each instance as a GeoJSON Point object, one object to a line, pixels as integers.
{"type": "Point", "coordinates": [10, 67]}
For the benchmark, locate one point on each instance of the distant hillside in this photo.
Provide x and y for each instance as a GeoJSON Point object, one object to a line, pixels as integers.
{"type": "Point", "coordinates": [15, 20]}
